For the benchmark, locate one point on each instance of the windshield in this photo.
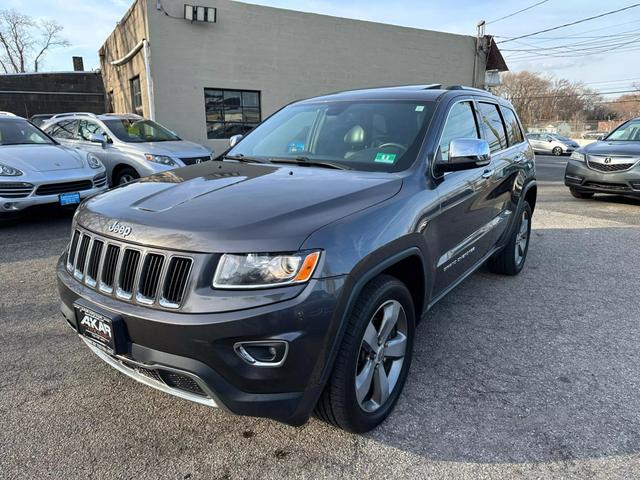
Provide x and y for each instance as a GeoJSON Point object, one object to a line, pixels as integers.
{"type": "Point", "coordinates": [21, 132]}
{"type": "Point", "coordinates": [139, 131]}
{"type": "Point", "coordinates": [360, 135]}
{"type": "Point", "coordinates": [627, 132]}
{"type": "Point", "coordinates": [561, 138]}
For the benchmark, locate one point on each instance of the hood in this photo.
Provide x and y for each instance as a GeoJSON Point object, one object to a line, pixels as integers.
{"type": "Point", "coordinates": [41, 158]}
{"type": "Point", "coordinates": [235, 207]}
{"type": "Point", "coordinates": [175, 149]}
{"type": "Point", "coordinates": [613, 148]}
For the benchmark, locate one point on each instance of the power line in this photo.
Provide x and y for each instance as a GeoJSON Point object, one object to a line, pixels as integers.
{"type": "Point", "coordinates": [515, 13]}
{"type": "Point", "coordinates": [571, 23]}
{"type": "Point", "coordinates": [574, 95]}
{"type": "Point", "coordinates": [565, 37]}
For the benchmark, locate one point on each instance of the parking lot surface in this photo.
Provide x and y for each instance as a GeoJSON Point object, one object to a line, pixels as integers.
{"type": "Point", "coordinates": [534, 376]}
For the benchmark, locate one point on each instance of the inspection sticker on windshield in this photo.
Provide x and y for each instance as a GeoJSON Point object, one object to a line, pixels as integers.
{"type": "Point", "coordinates": [419, 108]}
{"type": "Point", "coordinates": [385, 157]}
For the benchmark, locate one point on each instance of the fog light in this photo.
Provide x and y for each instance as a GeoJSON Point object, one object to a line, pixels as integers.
{"type": "Point", "coordinates": [574, 179]}
{"type": "Point", "coordinates": [263, 353]}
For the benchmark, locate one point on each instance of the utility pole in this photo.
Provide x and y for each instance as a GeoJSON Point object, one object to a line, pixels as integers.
{"type": "Point", "coordinates": [476, 57]}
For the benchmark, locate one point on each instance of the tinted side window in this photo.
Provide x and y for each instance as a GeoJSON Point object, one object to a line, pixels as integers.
{"type": "Point", "coordinates": [493, 127]}
{"type": "Point", "coordinates": [87, 128]}
{"type": "Point", "coordinates": [461, 123]}
{"type": "Point", "coordinates": [514, 134]}
{"type": "Point", "coordinates": [64, 129]}
{"type": "Point", "coordinates": [533, 136]}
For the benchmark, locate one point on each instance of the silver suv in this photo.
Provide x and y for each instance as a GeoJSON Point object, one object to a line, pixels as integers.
{"type": "Point", "coordinates": [552, 143]}
{"type": "Point", "coordinates": [128, 145]}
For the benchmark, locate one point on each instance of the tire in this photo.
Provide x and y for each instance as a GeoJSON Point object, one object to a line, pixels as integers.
{"type": "Point", "coordinates": [125, 175]}
{"type": "Point", "coordinates": [340, 404]}
{"type": "Point", "coordinates": [581, 195]}
{"type": "Point", "coordinates": [511, 259]}
{"type": "Point", "coordinates": [557, 151]}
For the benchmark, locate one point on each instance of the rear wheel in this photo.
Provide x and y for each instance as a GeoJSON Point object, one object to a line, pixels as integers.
{"type": "Point", "coordinates": [557, 151]}
{"type": "Point", "coordinates": [510, 260]}
{"type": "Point", "coordinates": [125, 175]}
{"type": "Point", "coordinates": [581, 195]}
{"type": "Point", "coordinates": [374, 358]}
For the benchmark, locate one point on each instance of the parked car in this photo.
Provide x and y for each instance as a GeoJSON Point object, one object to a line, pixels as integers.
{"type": "Point", "coordinates": [551, 143]}
{"type": "Point", "coordinates": [36, 170]}
{"type": "Point", "coordinates": [40, 119]}
{"type": "Point", "coordinates": [608, 166]}
{"type": "Point", "coordinates": [594, 135]}
{"type": "Point", "coordinates": [290, 276]}
{"type": "Point", "coordinates": [129, 146]}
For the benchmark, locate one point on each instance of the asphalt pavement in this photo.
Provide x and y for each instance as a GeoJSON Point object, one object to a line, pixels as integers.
{"type": "Point", "coordinates": [528, 377]}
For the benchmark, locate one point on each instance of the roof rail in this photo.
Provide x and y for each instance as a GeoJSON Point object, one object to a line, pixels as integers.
{"type": "Point", "coordinates": [433, 86]}
{"type": "Point", "coordinates": [73, 114]}
{"type": "Point", "coordinates": [126, 115]}
{"type": "Point", "coordinates": [8, 114]}
{"type": "Point", "coordinates": [463, 87]}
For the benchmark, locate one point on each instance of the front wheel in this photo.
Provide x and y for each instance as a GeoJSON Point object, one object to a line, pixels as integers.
{"type": "Point", "coordinates": [510, 260]}
{"type": "Point", "coordinates": [374, 358]}
{"type": "Point", "coordinates": [581, 195]}
{"type": "Point", "coordinates": [557, 151]}
{"type": "Point", "coordinates": [125, 175]}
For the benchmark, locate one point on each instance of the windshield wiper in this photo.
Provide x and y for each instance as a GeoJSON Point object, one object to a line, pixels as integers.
{"type": "Point", "coordinates": [243, 158]}
{"type": "Point", "coordinates": [309, 162]}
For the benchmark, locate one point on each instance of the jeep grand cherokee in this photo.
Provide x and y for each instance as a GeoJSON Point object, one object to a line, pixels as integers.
{"type": "Point", "coordinates": [288, 277]}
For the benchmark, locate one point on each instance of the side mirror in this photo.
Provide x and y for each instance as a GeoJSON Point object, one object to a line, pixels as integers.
{"type": "Point", "coordinates": [233, 141]}
{"type": "Point", "coordinates": [94, 138]}
{"type": "Point", "coordinates": [464, 154]}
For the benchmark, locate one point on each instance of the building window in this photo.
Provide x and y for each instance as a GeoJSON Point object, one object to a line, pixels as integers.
{"type": "Point", "coordinates": [136, 95]}
{"type": "Point", "coordinates": [231, 112]}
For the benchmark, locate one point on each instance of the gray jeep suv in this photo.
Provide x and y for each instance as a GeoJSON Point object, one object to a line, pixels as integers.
{"type": "Point", "coordinates": [289, 276]}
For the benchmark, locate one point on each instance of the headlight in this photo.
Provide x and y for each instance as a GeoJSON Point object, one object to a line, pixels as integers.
{"type": "Point", "coordinates": [161, 159]}
{"type": "Point", "coordinates": [94, 162]}
{"type": "Point", "coordinates": [581, 157]}
{"type": "Point", "coordinates": [6, 171]}
{"type": "Point", "coordinates": [259, 270]}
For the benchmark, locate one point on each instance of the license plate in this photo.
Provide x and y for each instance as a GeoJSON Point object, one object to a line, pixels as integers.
{"type": "Point", "coordinates": [96, 327]}
{"type": "Point", "coordinates": [69, 198]}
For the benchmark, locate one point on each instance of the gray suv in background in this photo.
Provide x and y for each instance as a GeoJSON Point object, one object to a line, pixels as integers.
{"type": "Point", "coordinates": [128, 145]}
{"type": "Point", "coordinates": [608, 166]}
{"type": "Point", "coordinates": [552, 143]}
{"type": "Point", "coordinates": [289, 276]}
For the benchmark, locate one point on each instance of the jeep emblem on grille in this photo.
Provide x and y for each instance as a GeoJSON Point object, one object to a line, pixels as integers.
{"type": "Point", "coordinates": [119, 229]}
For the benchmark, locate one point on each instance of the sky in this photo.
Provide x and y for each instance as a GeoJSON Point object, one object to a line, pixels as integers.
{"type": "Point", "coordinates": [87, 24]}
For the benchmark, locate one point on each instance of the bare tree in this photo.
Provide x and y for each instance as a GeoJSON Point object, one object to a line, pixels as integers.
{"type": "Point", "coordinates": [24, 42]}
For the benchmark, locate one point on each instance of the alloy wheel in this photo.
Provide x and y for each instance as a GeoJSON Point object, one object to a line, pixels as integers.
{"type": "Point", "coordinates": [126, 178]}
{"type": "Point", "coordinates": [381, 356]}
{"type": "Point", "coordinates": [522, 238]}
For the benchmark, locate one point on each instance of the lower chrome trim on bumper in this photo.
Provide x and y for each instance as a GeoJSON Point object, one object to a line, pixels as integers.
{"type": "Point", "coordinates": [124, 365]}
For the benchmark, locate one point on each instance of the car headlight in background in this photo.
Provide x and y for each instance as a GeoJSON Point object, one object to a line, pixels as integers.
{"type": "Point", "coordinates": [6, 171]}
{"type": "Point", "coordinates": [581, 157]}
{"type": "Point", "coordinates": [259, 270]}
{"type": "Point", "coordinates": [94, 162]}
{"type": "Point", "coordinates": [161, 159]}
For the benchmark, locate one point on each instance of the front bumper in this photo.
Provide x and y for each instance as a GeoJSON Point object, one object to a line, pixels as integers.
{"type": "Point", "coordinates": [13, 203]}
{"type": "Point", "coordinates": [201, 347]}
{"type": "Point", "coordinates": [580, 177]}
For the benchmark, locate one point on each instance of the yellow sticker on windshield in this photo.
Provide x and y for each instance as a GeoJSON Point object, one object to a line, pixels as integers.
{"type": "Point", "coordinates": [385, 157]}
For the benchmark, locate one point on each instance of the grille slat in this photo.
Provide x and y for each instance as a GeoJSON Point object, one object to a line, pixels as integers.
{"type": "Point", "coordinates": [67, 187]}
{"type": "Point", "coordinates": [129, 273]}
{"type": "Point", "coordinates": [176, 280]}
{"type": "Point", "coordinates": [82, 255]}
{"type": "Point", "coordinates": [15, 189]}
{"type": "Point", "coordinates": [110, 264]}
{"type": "Point", "coordinates": [94, 261]}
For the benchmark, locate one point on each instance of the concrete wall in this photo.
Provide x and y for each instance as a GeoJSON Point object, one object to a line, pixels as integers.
{"type": "Point", "coordinates": [27, 94]}
{"type": "Point", "coordinates": [128, 32]}
{"type": "Point", "coordinates": [284, 54]}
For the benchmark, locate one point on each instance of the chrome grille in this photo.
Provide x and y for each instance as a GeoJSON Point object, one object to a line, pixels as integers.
{"type": "Point", "coordinates": [610, 167]}
{"type": "Point", "coordinates": [15, 189]}
{"type": "Point", "coordinates": [67, 187]}
{"type": "Point", "coordinates": [128, 272]}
